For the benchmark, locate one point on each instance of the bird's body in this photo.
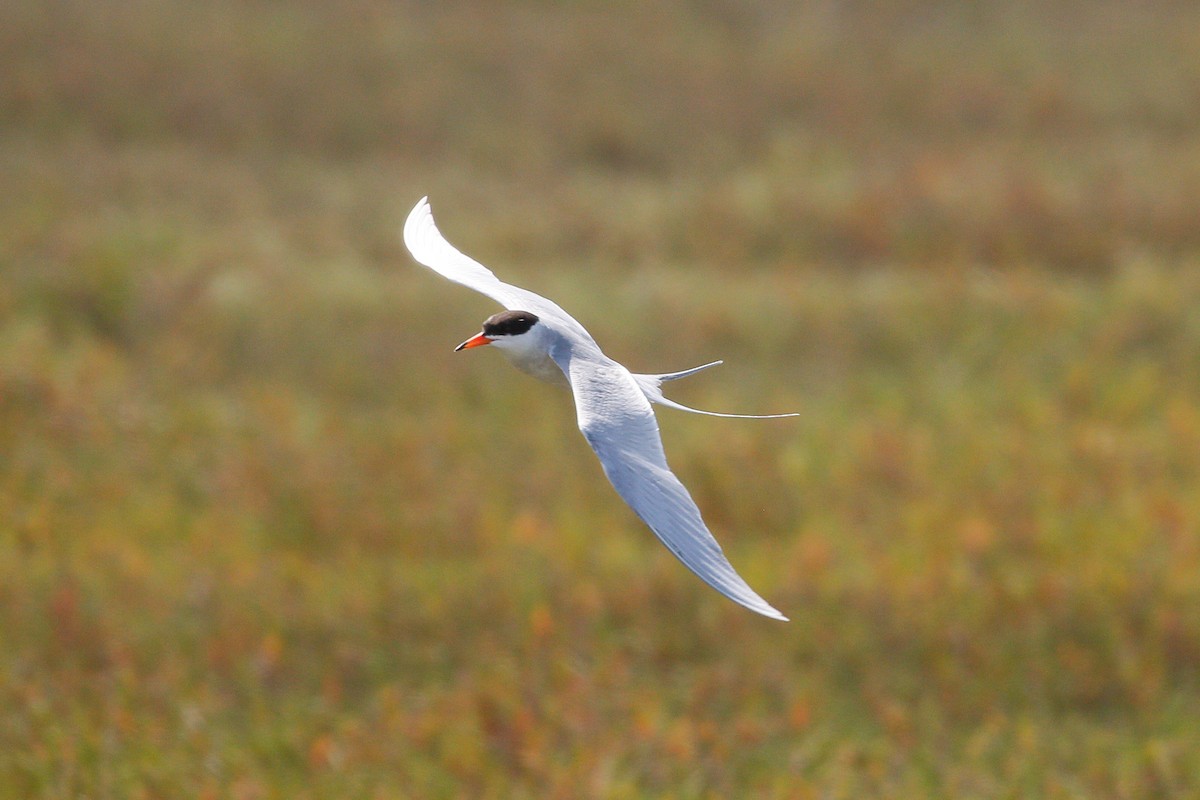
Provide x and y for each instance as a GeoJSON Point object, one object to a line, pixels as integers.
{"type": "Point", "coordinates": [612, 404]}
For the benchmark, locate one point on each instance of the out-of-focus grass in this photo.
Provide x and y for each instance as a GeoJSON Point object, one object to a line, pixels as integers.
{"type": "Point", "coordinates": [1059, 135]}
{"type": "Point", "coordinates": [263, 535]}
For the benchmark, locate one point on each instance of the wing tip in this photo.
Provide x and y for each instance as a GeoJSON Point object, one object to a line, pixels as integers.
{"type": "Point", "coordinates": [759, 606]}
{"type": "Point", "coordinates": [417, 226]}
{"type": "Point", "coordinates": [773, 614]}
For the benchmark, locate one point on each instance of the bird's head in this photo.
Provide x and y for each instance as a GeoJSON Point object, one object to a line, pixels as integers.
{"type": "Point", "coordinates": [506, 330]}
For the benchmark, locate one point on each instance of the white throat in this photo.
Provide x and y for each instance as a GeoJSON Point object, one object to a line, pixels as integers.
{"type": "Point", "coordinates": [530, 353]}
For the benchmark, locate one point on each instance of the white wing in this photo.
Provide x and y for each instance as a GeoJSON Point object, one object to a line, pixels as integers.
{"type": "Point", "coordinates": [619, 424]}
{"type": "Point", "coordinates": [430, 248]}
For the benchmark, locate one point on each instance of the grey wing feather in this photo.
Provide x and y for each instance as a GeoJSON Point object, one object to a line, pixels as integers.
{"type": "Point", "coordinates": [617, 421]}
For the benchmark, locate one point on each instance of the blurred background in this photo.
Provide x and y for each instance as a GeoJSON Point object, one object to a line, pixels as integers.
{"type": "Point", "coordinates": [262, 535]}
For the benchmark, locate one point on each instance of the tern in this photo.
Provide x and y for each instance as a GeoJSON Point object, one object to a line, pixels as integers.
{"type": "Point", "coordinates": [612, 404]}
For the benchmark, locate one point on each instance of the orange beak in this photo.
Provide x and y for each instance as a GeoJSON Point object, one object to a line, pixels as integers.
{"type": "Point", "coordinates": [478, 340]}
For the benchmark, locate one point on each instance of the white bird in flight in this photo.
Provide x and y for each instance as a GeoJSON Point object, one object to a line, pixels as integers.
{"type": "Point", "coordinates": [612, 404]}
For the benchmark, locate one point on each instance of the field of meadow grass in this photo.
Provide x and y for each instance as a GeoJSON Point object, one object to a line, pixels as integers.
{"type": "Point", "coordinates": [263, 535]}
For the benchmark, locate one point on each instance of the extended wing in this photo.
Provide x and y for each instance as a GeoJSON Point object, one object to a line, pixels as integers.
{"type": "Point", "coordinates": [619, 424]}
{"type": "Point", "coordinates": [430, 248]}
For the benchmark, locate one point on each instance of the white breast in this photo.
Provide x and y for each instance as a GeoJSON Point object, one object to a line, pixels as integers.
{"type": "Point", "coordinates": [538, 364]}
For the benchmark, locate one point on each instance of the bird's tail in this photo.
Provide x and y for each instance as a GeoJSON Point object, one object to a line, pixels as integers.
{"type": "Point", "coordinates": [651, 386]}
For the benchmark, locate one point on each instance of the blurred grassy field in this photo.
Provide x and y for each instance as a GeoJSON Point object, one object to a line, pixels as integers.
{"type": "Point", "coordinates": [253, 542]}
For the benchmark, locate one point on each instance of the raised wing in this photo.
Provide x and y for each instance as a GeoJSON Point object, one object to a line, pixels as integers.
{"type": "Point", "coordinates": [619, 424]}
{"type": "Point", "coordinates": [430, 248]}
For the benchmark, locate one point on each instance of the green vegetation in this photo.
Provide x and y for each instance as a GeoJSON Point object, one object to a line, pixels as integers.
{"type": "Point", "coordinates": [253, 542]}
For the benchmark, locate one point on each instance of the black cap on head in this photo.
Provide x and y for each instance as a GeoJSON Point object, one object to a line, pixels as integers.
{"type": "Point", "coordinates": [509, 323]}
